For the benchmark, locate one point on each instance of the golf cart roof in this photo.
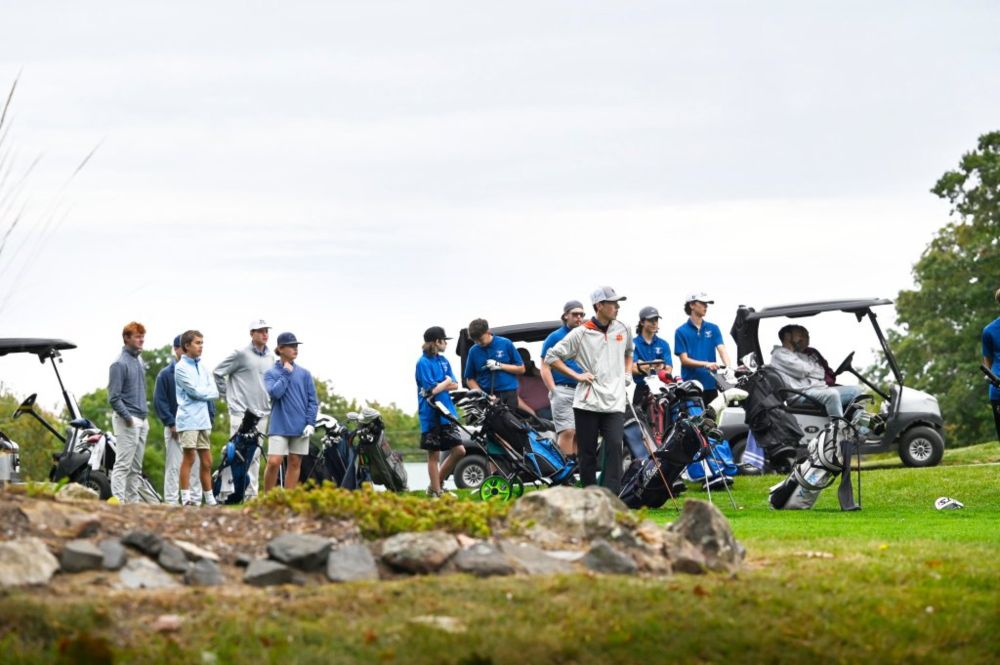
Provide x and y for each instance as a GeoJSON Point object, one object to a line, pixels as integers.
{"type": "Point", "coordinates": [40, 347]}
{"type": "Point", "coordinates": [519, 332]}
{"type": "Point", "coordinates": [857, 306]}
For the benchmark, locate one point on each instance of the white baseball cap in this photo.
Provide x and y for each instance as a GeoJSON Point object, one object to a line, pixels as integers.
{"type": "Point", "coordinates": [258, 324]}
{"type": "Point", "coordinates": [947, 503]}
{"type": "Point", "coordinates": [700, 296]}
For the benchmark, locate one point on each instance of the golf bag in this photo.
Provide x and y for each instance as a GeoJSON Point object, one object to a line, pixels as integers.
{"type": "Point", "coordinates": [775, 430]}
{"type": "Point", "coordinates": [386, 466]}
{"type": "Point", "coordinates": [643, 482]}
{"type": "Point", "coordinates": [510, 428]}
{"type": "Point", "coordinates": [719, 461]}
{"type": "Point", "coordinates": [829, 455]}
{"type": "Point", "coordinates": [231, 480]}
{"type": "Point", "coordinates": [334, 462]}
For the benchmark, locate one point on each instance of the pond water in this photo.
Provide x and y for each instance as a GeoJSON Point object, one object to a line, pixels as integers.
{"type": "Point", "coordinates": [418, 478]}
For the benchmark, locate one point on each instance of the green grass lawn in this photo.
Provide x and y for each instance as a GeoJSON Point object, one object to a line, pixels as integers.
{"type": "Point", "coordinates": [897, 582]}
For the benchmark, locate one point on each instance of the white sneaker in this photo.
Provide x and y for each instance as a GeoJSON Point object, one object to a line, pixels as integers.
{"type": "Point", "coordinates": [210, 499]}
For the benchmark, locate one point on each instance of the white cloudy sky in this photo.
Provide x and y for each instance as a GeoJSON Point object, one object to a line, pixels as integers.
{"type": "Point", "coordinates": [356, 172]}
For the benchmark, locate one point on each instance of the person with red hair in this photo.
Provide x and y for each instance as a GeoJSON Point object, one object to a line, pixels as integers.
{"type": "Point", "coordinates": [127, 397]}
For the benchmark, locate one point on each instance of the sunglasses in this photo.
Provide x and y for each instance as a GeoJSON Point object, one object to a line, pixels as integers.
{"type": "Point", "coordinates": [576, 313]}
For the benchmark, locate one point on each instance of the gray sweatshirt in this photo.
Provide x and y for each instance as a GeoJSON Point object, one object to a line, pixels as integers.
{"type": "Point", "coordinates": [240, 380]}
{"type": "Point", "coordinates": [603, 355]}
{"type": "Point", "coordinates": [127, 385]}
{"type": "Point", "coordinates": [799, 370]}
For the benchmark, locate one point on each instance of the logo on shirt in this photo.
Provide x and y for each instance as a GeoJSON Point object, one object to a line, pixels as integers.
{"type": "Point", "coordinates": [708, 333]}
{"type": "Point", "coordinates": [619, 338]}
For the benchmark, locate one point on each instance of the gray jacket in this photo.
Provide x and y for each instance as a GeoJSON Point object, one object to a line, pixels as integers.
{"type": "Point", "coordinates": [127, 385]}
{"type": "Point", "coordinates": [799, 370]}
{"type": "Point", "coordinates": [603, 355]}
{"type": "Point", "coordinates": [240, 380]}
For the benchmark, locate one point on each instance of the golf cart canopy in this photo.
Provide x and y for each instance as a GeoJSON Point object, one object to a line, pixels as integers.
{"type": "Point", "coordinates": [43, 348]}
{"type": "Point", "coordinates": [520, 332]}
{"type": "Point", "coordinates": [745, 327]}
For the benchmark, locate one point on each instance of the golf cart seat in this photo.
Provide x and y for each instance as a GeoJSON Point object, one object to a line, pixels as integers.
{"type": "Point", "coordinates": [804, 408]}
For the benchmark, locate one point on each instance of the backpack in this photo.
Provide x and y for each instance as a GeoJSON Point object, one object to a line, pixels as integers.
{"type": "Point", "coordinates": [775, 429]}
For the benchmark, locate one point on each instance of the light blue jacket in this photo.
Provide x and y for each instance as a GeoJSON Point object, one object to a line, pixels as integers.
{"type": "Point", "coordinates": [195, 389]}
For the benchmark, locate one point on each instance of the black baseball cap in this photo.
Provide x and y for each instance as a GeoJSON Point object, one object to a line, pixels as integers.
{"type": "Point", "coordinates": [434, 333]}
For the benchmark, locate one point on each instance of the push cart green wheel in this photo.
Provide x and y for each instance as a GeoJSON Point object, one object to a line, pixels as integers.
{"type": "Point", "coordinates": [495, 488]}
{"type": "Point", "coordinates": [517, 488]}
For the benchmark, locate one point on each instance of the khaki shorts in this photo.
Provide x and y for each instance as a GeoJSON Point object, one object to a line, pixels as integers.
{"type": "Point", "coordinates": [282, 445]}
{"type": "Point", "coordinates": [199, 439]}
{"type": "Point", "coordinates": [561, 401]}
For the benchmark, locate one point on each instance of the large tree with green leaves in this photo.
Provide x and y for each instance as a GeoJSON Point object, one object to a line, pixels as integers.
{"type": "Point", "coordinates": [941, 319]}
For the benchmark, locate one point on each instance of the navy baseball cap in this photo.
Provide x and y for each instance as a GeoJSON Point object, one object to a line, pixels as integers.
{"type": "Point", "coordinates": [177, 342]}
{"type": "Point", "coordinates": [287, 339]}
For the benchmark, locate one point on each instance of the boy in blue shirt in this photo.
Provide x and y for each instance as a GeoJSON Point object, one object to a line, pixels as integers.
{"type": "Point", "coordinates": [493, 364]}
{"type": "Point", "coordinates": [562, 388]}
{"type": "Point", "coordinates": [696, 343]}
{"type": "Point", "coordinates": [294, 407]}
{"type": "Point", "coordinates": [649, 348]}
{"type": "Point", "coordinates": [434, 380]}
{"type": "Point", "coordinates": [991, 358]}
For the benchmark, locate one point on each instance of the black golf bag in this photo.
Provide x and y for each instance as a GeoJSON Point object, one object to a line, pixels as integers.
{"type": "Point", "coordinates": [775, 430]}
{"type": "Point", "coordinates": [385, 465]}
{"type": "Point", "coordinates": [829, 456]}
{"type": "Point", "coordinates": [643, 483]}
{"type": "Point", "coordinates": [508, 427]}
{"type": "Point", "coordinates": [231, 479]}
{"type": "Point", "coordinates": [334, 462]}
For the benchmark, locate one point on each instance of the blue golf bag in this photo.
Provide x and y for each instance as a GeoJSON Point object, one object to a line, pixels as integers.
{"type": "Point", "coordinates": [231, 479]}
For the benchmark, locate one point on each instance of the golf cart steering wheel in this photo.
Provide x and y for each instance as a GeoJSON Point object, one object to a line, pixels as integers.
{"type": "Point", "coordinates": [25, 407]}
{"type": "Point", "coordinates": [845, 364]}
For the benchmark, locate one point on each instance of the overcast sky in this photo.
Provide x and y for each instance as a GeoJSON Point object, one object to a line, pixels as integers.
{"type": "Point", "coordinates": [357, 172]}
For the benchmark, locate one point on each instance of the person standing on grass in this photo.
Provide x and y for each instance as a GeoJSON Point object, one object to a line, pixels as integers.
{"type": "Point", "coordinates": [127, 397]}
{"type": "Point", "coordinates": [562, 387]}
{"type": "Point", "coordinates": [437, 433]}
{"type": "Point", "coordinates": [195, 389]}
{"type": "Point", "coordinates": [493, 364]}
{"type": "Point", "coordinates": [698, 344]}
{"type": "Point", "coordinates": [294, 407]}
{"type": "Point", "coordinates": [603, 348]}
{"type": "Point", "coordinates": [991, 358]}
{"type": "Point", "coordinates": [649, 348]}
{"type": "Point", "coordinates": [240, 380]}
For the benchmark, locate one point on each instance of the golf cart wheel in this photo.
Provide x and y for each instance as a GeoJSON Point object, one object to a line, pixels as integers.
{"type": "Point", "coordinates": [470, 472]}
{"type": "Point", "coordinates": [921, 446]}
{"type": "Point", "coordinates": [100, 483]}
{"type": "Point", "coordinates": [495, 488]}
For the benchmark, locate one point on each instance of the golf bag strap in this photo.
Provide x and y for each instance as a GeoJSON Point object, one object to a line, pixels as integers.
{"type": "Point", "coordinates": [845, 491]}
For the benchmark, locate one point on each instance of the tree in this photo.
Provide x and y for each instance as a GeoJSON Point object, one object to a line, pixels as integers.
{"type": "Point", "coordinates": [941, 319]}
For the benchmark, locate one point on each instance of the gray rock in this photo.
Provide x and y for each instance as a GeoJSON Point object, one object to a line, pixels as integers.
{"type": "Point", "coordinates": [144, 541]}
{"type": "Point", "coordinates": [76, 492]}
{"type": "Point", "coordinates": [351, 563]}
{"type": "Point", "coordinates": [172, 558]}
{"type": "Point", "coordinates": [421, 552]}
{"type": "Point", "coordinates": [242, 560]}
{"type": "Point", "coordinates": [602, 558]}
{"type": "Point", "coordinates": [61, 520]}
{"type": "Point", "coordinates": [114, 554]}
{"type": "Point", "coordinates": [26, 561]}
{"type": "Point", "coordinates": [80, 555]}
{"type": "Point", "coordinates": [204, 573]}
{"type": "Point", "coordinates": [684, 557]}
{"type": "Point", "coordinates": [141, 573]}
{"type": "Point", "coordinates": [561, 515]}
{"type": "Point", "coordinates": [704, 526]}
{"type": "Point", "coordinates": [264, 572]}
{"type": "Point", "coordinates": [484, 560]}
{"type": "Point", "coordinates": [533, 561]}
{"type": "Point", "coordinates": [300, 550]}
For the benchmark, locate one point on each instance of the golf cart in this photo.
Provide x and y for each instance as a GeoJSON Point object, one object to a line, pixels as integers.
{"type": "Point", "coordinates": [472, 469]}
{"type": "Point", "coordinates": [913, 424]}
{"type": "Point", "coordinates": [85, 456]}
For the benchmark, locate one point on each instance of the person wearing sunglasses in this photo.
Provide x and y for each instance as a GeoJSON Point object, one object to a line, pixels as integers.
{"type": "Point", "coordinates": [562, 387]}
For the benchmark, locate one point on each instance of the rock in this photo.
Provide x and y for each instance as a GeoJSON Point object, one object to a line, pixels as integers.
{"type": "Point", "coordinates": [204, 573]}
{"type": "Point", "coordinates": [563, 514]}
{"type": "Point", "coordinates": [195, 553]}
{"type": "Point", "coordinates": [242, 560]}
{"type": "Point", "coordinates": [264, 572]}
{"type": "Point", "coordinates": [442, 623]}
{"type": "Point", "coordinates": [80, 555]}
{"type": "Point", "coordinates": [26, 561]}
{"type": "Point", "coordinates": [704, 526]}
{"type": "Point", "coordinates": [60, 520]}
{"type": "Point", "coordinates": [421, 552]}
{"type": "Point", "coordinates": [167, 623]}
{"type": "Point", "coordinates": [465, 542]}
{"type": "Point", "coordinates": [602, 558]}
{"type": "Point", "coordinates": [483, 560]}
{"type": "Point", "coordinates": [300, 550]}
{"type": "Point", "coordinates": [531, 560]}
{"type": "Point", "coordinates": [114, 554]}
{"type": "Point", "coordinates": [684, 557]}
{"type": "Point", "coordinates": [351, 563]}
{"type": "Point", "coordinates": [172, 558]}
{"type": "Point", "coordinates": [144, 541]}
{"type": "Point", "coordinates": [141, 573]}
{"type": "Point", "coordinates": [76, 492]}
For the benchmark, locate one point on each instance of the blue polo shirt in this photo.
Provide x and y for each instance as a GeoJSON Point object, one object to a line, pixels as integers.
{"type": "Point", "coordinates": [657, 350]}
{"type": "Point", "coordinates": [991, 350]}
{"type": "Point", "coordinates": [699, 345]}
{"type": "Point", "coordinates": [554, 338]}
{"type": "Point", "coordinates": [432, 370]}
{"type": "Point", "coordinates": [501, 349]}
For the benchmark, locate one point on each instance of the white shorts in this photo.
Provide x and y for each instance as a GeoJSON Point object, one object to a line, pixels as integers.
{"type": "Point", "coordinates": [282, 445]}
{"type": "Point", "coordinates": [561, 401]}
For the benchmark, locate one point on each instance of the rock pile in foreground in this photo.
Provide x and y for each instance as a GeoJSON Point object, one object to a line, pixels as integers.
{"type": "Point", "coordinates": [558, 530]}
